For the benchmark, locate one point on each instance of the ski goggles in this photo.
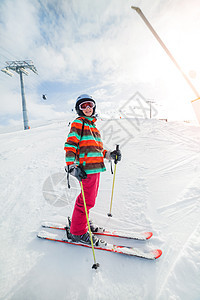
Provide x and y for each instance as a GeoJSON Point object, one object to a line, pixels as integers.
{"type": "Point", "coordinates": [86, 104]}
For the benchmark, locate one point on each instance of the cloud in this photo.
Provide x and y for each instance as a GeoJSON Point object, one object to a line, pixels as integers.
{"type": "Point", "coordinates": [19, 29]}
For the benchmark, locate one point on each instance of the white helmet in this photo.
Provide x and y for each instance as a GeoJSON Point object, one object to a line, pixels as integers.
{"type": "Point", "coordinates": [81, 99]}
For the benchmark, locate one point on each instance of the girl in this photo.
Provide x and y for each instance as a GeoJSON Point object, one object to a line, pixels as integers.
{"type": "Point", "coordinates": [85, 160]}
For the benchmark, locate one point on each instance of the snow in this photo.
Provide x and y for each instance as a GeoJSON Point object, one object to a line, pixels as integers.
{"type": "Point", "coordinates": [157, 189]}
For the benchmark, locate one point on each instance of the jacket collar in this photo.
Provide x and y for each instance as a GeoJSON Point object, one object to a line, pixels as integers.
{"type": "Point", "coordinates": [89, 119]}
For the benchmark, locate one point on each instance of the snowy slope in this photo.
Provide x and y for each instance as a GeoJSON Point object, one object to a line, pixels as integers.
{"type": "Point", "coordinates": [157, 188]}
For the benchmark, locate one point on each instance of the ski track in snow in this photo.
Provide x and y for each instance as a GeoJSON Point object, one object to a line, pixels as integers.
{"type": "Point", "coordinates": [157, 188]}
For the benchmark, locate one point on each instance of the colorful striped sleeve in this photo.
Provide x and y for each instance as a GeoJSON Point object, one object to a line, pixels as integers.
{"type": "Point", "coordinates": [72, 142]}
{"type": "Point", "coordinates": [104, 153]}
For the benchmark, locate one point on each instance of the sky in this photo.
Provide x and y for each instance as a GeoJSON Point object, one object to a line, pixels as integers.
{"type": "Point", "coordinates": [102, 48]}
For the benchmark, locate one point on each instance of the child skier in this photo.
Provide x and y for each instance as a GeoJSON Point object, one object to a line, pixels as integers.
{"type": "Point", "coordinates": [85, 160]}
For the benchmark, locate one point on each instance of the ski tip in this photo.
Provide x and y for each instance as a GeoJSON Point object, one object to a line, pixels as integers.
{"type": "Point", "coordinates": [157, 253]}
{"type": "Point", "coordinates": [148, 235]}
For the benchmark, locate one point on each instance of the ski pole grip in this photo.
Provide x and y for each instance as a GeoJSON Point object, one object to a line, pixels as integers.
{"type": "Point", "coordinates": [117, 148]}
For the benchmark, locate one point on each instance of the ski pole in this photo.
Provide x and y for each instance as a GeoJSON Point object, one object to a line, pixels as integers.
{"type": "Point", "coordinates": [95, 265]}
{"type": "Point", "coordinates": [115, 161]}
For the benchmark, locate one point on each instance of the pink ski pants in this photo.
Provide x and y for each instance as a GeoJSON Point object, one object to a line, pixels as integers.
{"type": "Point", "coordinates": [90, 186]}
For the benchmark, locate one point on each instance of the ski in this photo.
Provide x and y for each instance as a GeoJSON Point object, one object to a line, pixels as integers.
{"type": "Point", "coordinates": [152, 254]}
{"type": "Point", "coordinates": [114, 233]}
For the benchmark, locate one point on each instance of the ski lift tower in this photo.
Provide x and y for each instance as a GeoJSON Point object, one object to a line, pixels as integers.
{"type": "Point", "coordinates": [20, 68]}
{"type": "Point", "coordinates": [150, 101]}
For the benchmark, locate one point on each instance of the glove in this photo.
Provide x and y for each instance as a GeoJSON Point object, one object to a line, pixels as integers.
{"type": "Point", "coordinates": [112, 155]}
{"type": "Point", "coordinates": [76, 171]}
{"type": "Point", "coordinates": [116, 155]}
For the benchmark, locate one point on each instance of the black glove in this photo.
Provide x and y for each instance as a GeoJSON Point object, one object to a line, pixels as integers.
{"type": "Point", "coordinates": [116, 155]}
{"type": "Point", "coordinates": [76, 171]}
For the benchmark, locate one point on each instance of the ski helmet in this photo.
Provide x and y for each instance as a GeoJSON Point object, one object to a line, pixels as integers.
{"type": "Point", "coordinates": [82, 98]}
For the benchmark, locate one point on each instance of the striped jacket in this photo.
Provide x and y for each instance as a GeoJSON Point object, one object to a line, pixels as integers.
{"type": "Point", "coordinates": [87, 150]}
